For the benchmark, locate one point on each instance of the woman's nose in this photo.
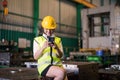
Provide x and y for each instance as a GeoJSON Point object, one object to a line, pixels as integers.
{"type": "Point", "coordinates": [49, 31]}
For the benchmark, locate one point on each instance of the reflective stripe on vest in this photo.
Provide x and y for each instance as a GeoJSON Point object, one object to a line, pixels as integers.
{"type": "Point", "coordinates": [48, 62]}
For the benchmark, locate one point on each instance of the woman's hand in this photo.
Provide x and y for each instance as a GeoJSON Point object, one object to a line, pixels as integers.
{"type": "Point", "coordinates": [55, 46]}
{"type": "Point", "coordinates": [45, 45]}
{"type": "Point", "coordinates": [59, 54]}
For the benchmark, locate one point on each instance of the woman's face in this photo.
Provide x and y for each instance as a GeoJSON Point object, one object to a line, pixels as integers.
{"type": "Point", "coordinates": [49, 32]}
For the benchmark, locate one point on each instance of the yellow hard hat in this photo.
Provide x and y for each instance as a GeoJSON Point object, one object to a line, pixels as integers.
{"type": "Point", "coordinates": [49, 22]}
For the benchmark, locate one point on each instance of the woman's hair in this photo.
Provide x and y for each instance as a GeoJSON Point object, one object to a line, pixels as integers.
{"type": "Point", "coordinates": [40, 31]}
{"type": "Point", "coordinates": [117, 3]}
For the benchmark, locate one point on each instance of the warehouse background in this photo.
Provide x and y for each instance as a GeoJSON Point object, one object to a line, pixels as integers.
{"type": "Point", "coordinates": [23, 22]}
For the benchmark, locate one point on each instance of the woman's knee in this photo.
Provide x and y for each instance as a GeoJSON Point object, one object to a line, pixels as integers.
{"type": "Point", "coordinates": [57, 72]}
{"type": "Point", "coordinates": [62, 73]}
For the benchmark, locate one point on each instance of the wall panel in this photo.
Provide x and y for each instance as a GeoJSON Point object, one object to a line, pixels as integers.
{"type": "Point", "coordinates": [23, 7]}
{"type": "Point", "coordinates": [96, 2]}
{"type": "Point", "coordinates": [49, 7]}
{"type": "Point", "coordinates": [19, 10]}
{"type": "Point", "coordinates": [68, 13]}
{"type": "Point", "coordinates": [106, 2]}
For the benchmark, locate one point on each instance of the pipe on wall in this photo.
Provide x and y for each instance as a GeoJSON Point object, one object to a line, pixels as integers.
{"type": "Point", "coordinates": [86, 3]}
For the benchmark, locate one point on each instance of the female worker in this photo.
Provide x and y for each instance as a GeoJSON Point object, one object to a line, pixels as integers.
{"type": "Point", "coordinates": [48, 51]}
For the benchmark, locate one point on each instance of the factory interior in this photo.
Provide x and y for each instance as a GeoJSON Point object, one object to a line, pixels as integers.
{"type": "Point", "coordinates": [89, 30]}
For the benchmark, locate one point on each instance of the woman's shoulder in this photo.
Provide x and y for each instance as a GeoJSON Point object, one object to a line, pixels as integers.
{"type": "Point", "coordinates": [38, 37]}
{"type": "Point", "coordinates": [57, 37]}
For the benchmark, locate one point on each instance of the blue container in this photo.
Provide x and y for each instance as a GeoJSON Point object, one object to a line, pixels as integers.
{"type": "Point", "coordinates": [100, 53]}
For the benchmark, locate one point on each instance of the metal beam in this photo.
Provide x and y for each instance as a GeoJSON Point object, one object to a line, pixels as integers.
{"type": "Point", "coordinates": [86, 3]}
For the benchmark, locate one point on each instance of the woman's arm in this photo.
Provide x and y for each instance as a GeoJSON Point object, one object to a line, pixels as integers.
{"type": "Point", "coordinates": [38, 50]}
{"type": "Point", "coordinates": [59, 50]}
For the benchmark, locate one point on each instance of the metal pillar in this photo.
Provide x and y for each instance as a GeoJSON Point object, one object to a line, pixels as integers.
{"type": "Point", "coordinates": [36, 16]}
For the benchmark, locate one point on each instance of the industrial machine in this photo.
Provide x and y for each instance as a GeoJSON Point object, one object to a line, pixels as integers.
{"type": "Point", "coordinates": [5, 59]}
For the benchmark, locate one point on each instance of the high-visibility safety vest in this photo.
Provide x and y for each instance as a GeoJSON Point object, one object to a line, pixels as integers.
{"type": "Point", "coordinates": [46, 58]}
